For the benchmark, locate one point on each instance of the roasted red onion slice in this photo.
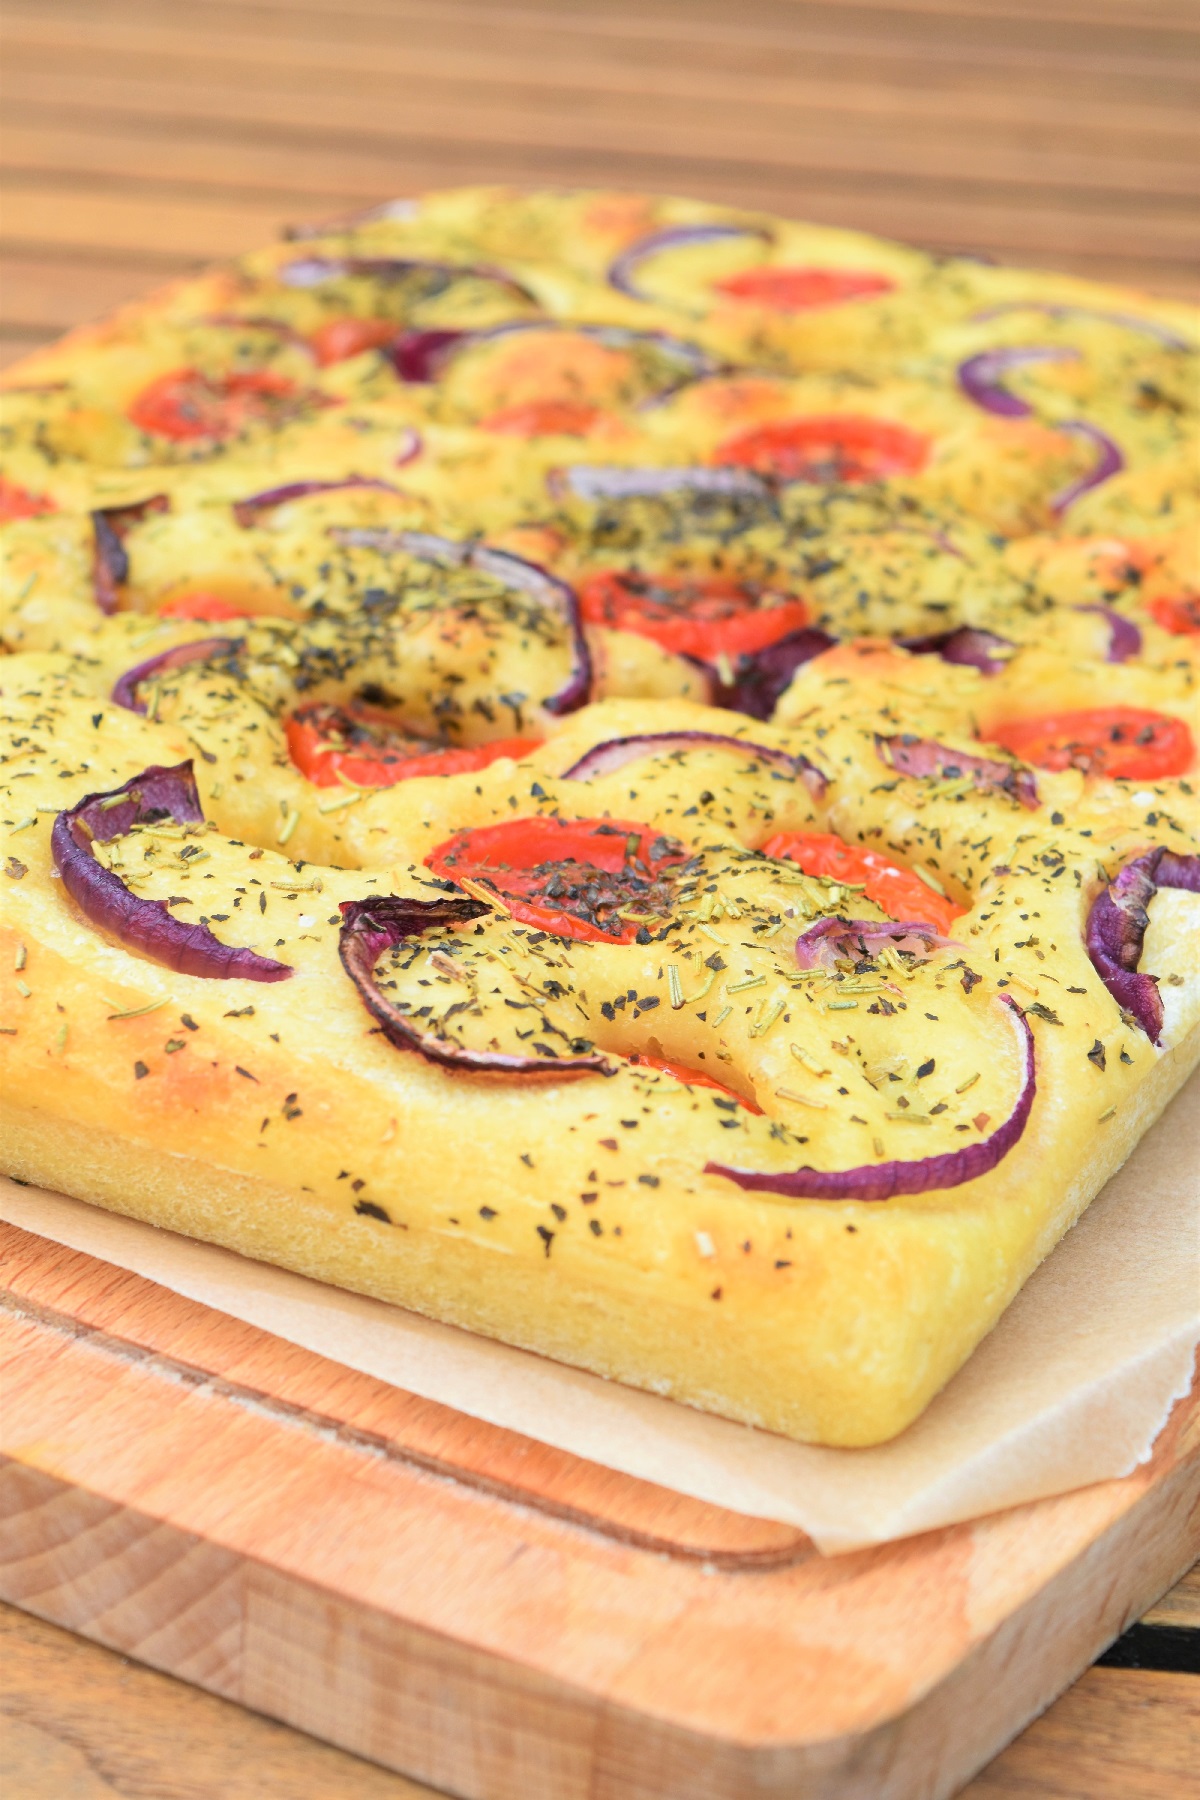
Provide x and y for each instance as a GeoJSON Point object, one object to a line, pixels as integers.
{"type": "Point", "coordinates": [125, 692]}
{"type": "Point", "coordinates": [981, 377]}
{"type": "Point", "coordinates": [110, 559]}
{"type": "Point", "coordinates": [834, 939]}
{"type": "Point", "coordinates": [882, 1181]}
{"type": "Point", "coordinates": [674, 237]}
{"type": "Point", "coordinates": [969, 646]}
{"type": "Point", "coordinates": [312, 271]}
{"type": "Point", "coordinates": [248, 512]}
{"type": "Point", "coordinates": [1116, 930]}
{"type": "Point", "coordinates": [1110, 460]}
{"type": "Point", "coordinates": [760, 677]}
{"type": "Point", "coordinates": [925, 758]}
{"type": "Point", "coordinates": [614, 753]}
{"type": "Point", "coordinates": [421, 356]}
{"type": "Point", "coordinates": [370, 927]}
{"type": "Point", "coordinates": [617, 481]}
{"type": "Point", "coordinates": [1058, 310]}
{"type": "Point", "coordinates": [514, 572]}
{"type": "Point", "coordinates": [146, 926]}
{"type": "Point", "coordinates": [1124, 637]}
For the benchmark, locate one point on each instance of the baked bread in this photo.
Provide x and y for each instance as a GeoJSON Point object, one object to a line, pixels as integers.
{"type": "Point", "coordinates": [597, 768]}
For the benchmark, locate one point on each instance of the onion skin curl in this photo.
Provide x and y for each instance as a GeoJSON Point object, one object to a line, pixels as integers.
{"type": "Point", "coordinates": [924, 757]}
{"type": "Point", "coordinates": [369, 927]}
{"type": "Point", "coordinates": [125, 688]}
{"type": "Point", "coordinates": [1116, 930]}
{"type": "Point", "coordinates": [922, 1175]}
{"type": "Point", "coordinates": [614, 753]}
{"type": "Point", "coordinates": [146, 927]}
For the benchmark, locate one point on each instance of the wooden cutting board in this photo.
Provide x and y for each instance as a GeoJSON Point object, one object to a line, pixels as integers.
{"type": "Point", "coordinates": [504, 1620]}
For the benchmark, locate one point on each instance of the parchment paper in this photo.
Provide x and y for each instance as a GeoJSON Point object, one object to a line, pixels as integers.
{"type": "Point", "coordinates": [1072, 1387]}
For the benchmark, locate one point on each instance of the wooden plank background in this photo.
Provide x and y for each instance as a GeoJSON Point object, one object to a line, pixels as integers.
{"type": "Point", "coordinates": [143, 137]}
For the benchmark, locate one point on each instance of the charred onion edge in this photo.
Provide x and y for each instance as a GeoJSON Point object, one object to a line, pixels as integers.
{"type": "Point", "coordinates": [967, 646]}
{"type": "Point", "coordinates": [980, 376]}
{"type": "Point", "coordinates": [146, 926]}
{"type": "Point", "coordinates": [125, 689]}
{"type": "Point", "coordinates": [1110, 461]}
{"type": "Point", "coordinates": [614, 753]}
{"type": "Point", "coordinates": [1124, 637]}
{"type": "Point", "coordinates": [988, 771]}
{"type": "Point", "coordinates": [1062, 310]}
{"type": "Point", "coordinates": [837, 936]}
{"type": "Point", "coordinates": [1116, 930]}
{"type": "Point", "coordinates": [512, 571]}
{"type": "Point", "coordinates": [882, 1181]}
{"type": "Point", "coordinates": [248, 511]}
{"type": "Point", "coordinates": [110, 559]}
{"type": "Point", "coordinates": [673, 237]}
{"type": "Point", "coordinates": [369, 927]}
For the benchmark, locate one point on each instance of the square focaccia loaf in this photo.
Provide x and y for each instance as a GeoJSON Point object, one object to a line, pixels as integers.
{"type": "Point", "coordinates": [616, 772]}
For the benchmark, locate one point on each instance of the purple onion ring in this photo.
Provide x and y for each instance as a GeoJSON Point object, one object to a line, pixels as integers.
{"type": "Point", "coordinates": [925, 758]}
{"type": "Point", "coordinates": [1057, 310]}
{"type": "Point", "coordinates": [514, 572]}
{"type": "Point", "coordinates": [1124, 637]}
{"type": "Point", "coordinates": [1110, 460]}
{"type": "Point", "coordinates": [760, 677]}
{"type": "Point", "coordinates": [980, 377]}
{"type": "Point", "coordinates": [125, 690]}
{"type": "Point", "coordinates": [146, 926]}
{"type": "Point", "coordinates": [614, 753]}
{"type": "Point", "coordinates": [822, 944]}
{"type": "Point", "coordinates": [968, 646]}
{"type": "Point", "coordinates": [421, 356]}
{"type": "Point", "coordinates": [617, 481]}
{"type": "Point", "coordinates": [882, 1181]}
{"type": "Point", "coordinates": [247, 512]}
{"type": "Point", "coordinates": [110, 559]}
{"type": "Point", "coordinates": [1116, 930]}
{"type": "Point", "coordinates": [311, 271]}
{"type": "Point", "coordinates": [369, 927]}
{"type": "Point", "coordinates": [673, 237]}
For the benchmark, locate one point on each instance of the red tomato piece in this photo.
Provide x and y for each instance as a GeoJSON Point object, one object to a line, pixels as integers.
{"type": "Point", "coordinates": [598, 880]}
{"type": "Point", "coordinates": [1180, 616]}
{"type": "Point", "coordinates": [541, 418]}
{"type": "Point", "coordinates": [828, 448]}
{"type": "Point", "coordinates": [332, 746]}
{"type": "Point", "coordinates": [692, 1078]}
{"type": "Point", "coordinates": [895, 890]}
{"type": "Point", "coordinates": [18, 503]}
{"type": "Point", "coordinates": [199, 605]}
{"type": "Point", "coordinates": [186, 403]}
{"type": "Point", "coordinates": [339, 339]}
{"type": "Point", "coordinates": [801, 290]}
{"type": "Point", "coordinates": [691, 615]}
{"type": "Point", "coordinates": [1124, 743]}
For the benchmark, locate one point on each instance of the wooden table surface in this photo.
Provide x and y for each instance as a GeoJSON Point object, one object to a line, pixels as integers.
{"type": "Point", "coordinates": [144, 137]}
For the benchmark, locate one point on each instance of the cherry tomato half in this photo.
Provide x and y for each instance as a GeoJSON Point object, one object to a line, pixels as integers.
{"type": "Point", "coordinates": [186, 403]}
{"type": "Point", "coordinates": [692, 1078]}
{"type": "Point", "coordinates": [598, 880]}
{"type": "Point", "coordinates": [541, 418]}
{"type": "Point", "coordinates": [836, 447]}
{"type": "Point", "coordinates": [1126, 743]}
{"type": "Point", "coordinates": [802, 290]}
{"type": "Point", "coordinates": [895, 890]}
{"type": "Point", "coordinates": [691, 615]}
{"type": "Point", "coordinates": [332, 745]}
{"type": "Point", "coordinates": [18, 503]}
{"type": "Point", "coordinates": [1179, 616]}
{"type": "Point", "coordinates": [339, 339]}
